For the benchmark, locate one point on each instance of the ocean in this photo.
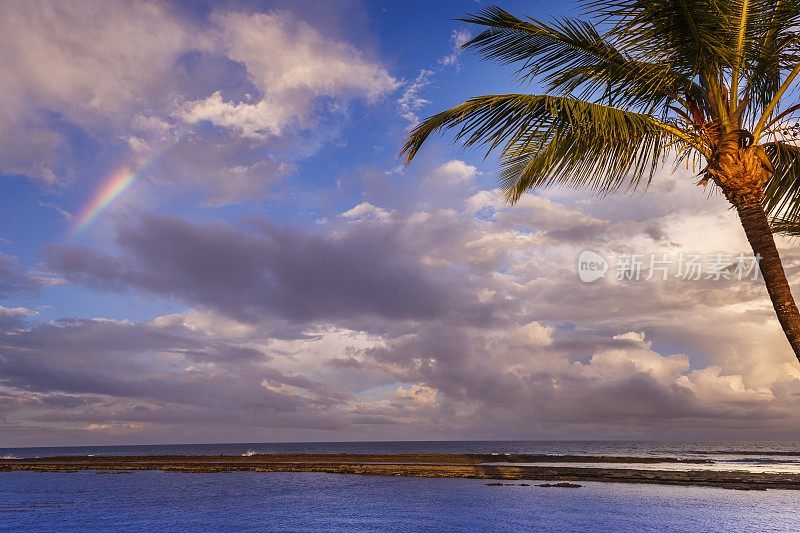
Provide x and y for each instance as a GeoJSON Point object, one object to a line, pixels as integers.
{"type": "Point", "coordinates": [248, 501]}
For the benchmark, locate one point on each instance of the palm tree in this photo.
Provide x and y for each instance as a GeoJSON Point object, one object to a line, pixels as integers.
{"type": "Point", "coordinates": [640, 83]}
{"type": "Point", "coordinates": [787, 227]}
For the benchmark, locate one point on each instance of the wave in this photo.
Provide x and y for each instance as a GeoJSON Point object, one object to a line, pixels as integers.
{"type": "Point", "coordinates": [760, 460]}
{"type": "Point", "coordinates": [744, 452]}
{"type": "Point", "coordinates": [249, 453]}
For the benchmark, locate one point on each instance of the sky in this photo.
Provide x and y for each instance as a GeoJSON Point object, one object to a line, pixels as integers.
{"type": "Point", "coordinates": [206, 235]}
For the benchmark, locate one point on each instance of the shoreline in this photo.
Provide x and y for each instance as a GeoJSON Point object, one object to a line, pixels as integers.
{"type": "Point", "coordinates": [472, 466]}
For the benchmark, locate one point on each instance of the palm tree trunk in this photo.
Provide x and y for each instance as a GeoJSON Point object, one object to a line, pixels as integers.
{"type": "Point", "coordinates": [759, 234]}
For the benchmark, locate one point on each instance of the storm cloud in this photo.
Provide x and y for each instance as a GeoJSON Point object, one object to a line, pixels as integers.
{"type": "Point", "coordinates": [14, 278]}
{"type": "Point", "coordinates": [273, 272]}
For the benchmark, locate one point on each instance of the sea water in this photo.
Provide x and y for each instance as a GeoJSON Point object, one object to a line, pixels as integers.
{"type": "Point", "coordinates": [252, 501]}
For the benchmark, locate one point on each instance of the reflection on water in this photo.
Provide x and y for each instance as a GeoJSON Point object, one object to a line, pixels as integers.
{"type": "Point", "coordinates": [166, 501]}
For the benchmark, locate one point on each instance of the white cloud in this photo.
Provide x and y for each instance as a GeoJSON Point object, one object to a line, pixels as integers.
{"type": "Point", "coordinates": [66, 215]}
{"type": "Point", "coordinates": [458, 38]}
{"type": "Point", "coordinates": [454, 172]}
{"type": "Point", "coordinates": [208, 323]}
{"type": "Point", "coordinates": [709, 385]}
{"type": "Point", "coordinates": [292, 64]}
{"type": "Point", "coordinates": [148, 124]}
{"type": "Point", "coordinates": [410, 102]}
{"type": "Point", "coordinates": [481, 200]}
{"type": "Point", "coordinates": [446, 186]}
{"type": "Point", "coordinates": [367, 211]}
{"type": "Point", "coordinates": [614, 364]}
{"type": "Point", "coordinates": [635, 336]}
{"type": "Point", "coordinates": [418, 394]}
{"type": "Point", "coordinates": [16, 311]}
{"type": "Point", "coordinates": [534, 334]}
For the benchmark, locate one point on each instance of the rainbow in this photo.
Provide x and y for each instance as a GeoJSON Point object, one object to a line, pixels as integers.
{"type": "Point", "coordinates": [116, 184]}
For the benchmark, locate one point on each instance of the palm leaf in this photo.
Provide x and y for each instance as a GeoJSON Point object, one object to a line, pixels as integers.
{"type": "Point", "coordinates": [545, 140]}
{"type": "Point", "coordinates": [643, 78]}
{"type": "Point", "coordinates": [695, 36]}
{"type": "Point", "coordinates": [790, 228]}
{"type": "Point", "coordinates": [782, 192]}
{"type": "Point", "coordinates": [570, 55]}
{"type": "Point", "coordinates": [773, 46]}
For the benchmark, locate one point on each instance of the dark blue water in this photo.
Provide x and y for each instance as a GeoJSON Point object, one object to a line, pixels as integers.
{"type": "Point", "coordinates": [247, 501]}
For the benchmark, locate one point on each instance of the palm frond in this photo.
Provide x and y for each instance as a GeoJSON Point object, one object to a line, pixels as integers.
{"type": "Point", "coordinates": [545, 140]}
{"type": "Point", "coordinates": [773, 46]}
{"type": "Point", "coordinates": [641, 79]}
{"type": "Point", "coordinates": [788, 227]}
{"type": "Point", "coordinates": [782, 192]}
{"type": "Point", "coordinates": [694, 36]}
{"type": "Point", "coordinates": [570, 54]}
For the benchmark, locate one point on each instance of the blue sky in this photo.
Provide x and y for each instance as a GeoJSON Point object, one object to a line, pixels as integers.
{"type": "Point", "coordinates": [275, 273]}
{"type": "Point", "coordinates": [323, 181]}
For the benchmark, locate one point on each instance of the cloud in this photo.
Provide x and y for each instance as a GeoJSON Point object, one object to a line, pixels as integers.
{"type": "Point", "coordinates": [123, 379]}
{"type": "Point", "coordinates": [63, 213]}
{"type": "Point", "coordinates": [16, 311]}
{"type": "Point", "coordinates": [301, 67]}
{"type": "Point", "coordinates": [418, 395]}
{"type": "Point", "coordinates": [367, 211]}
{"type": "Point", "coordinates": [66, 65]}
{"type": "Point", "coordinates": [225, 168]}
{"type": "Point", "coordinates": [361, 271]}
{"type": "Point", "coordinates": [458, 39]}
{"type": "Point", "coordinates": [446, 186]}
{"type": "Point", "coordinates": [710, 385]}
{"type": "Point", "coordinates": [443, 314]}
{"type": "Point", "coordinates": [14, 278]}
{"type": "Point", "coordinates": [455, 172]}
{"type": "Point", "coordinates": [480, 375]}
{"type": "Point", "coordinates": [410, 102]}
{"type": "Point", "coordinates": [13, 318]}
{"type": "Point", "coordinates": [470, 316]}
{"type": "Point", "coordinates": [226, 103]}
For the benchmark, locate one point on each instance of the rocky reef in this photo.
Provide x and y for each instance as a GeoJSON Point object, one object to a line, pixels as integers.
{"type": "Point", "coordinates": [502, 467]}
